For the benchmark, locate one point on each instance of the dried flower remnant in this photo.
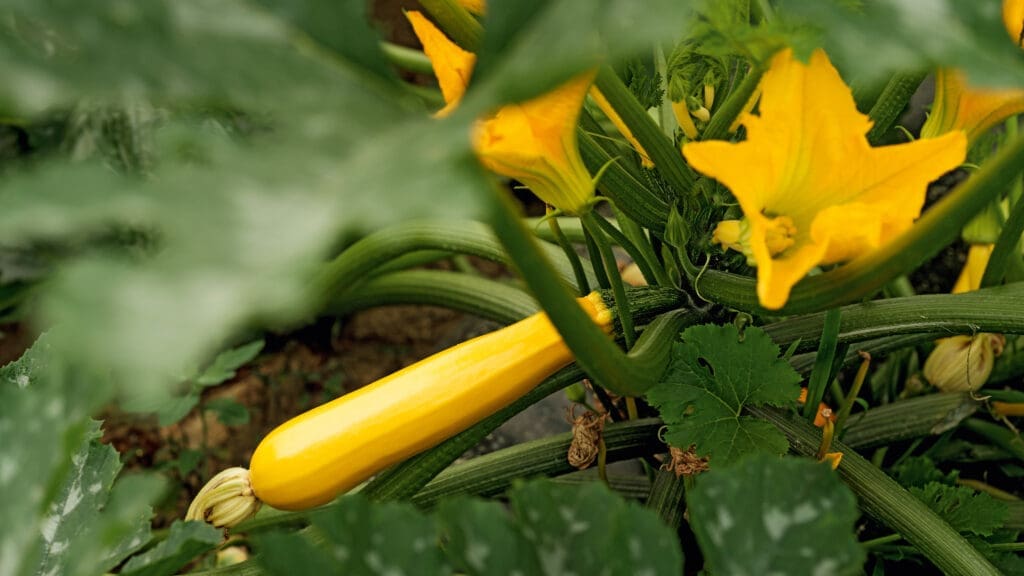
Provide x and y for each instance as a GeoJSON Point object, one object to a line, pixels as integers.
{"type": "Point", "coordinates": [685, 462]}
{"type": "Point", "coordinates": [585, 447]}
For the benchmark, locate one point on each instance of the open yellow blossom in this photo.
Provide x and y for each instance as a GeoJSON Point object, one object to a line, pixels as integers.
{"type": "Point", "coordinates": [812, 189]}
{"type": "Point", "coordinates": [957, 106]}
{"type": "Point", "coordinates": [533, 142]}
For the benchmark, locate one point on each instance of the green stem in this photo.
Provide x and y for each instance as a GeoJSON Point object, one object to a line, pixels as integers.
{"type": "Point", "coordinates": [907, 419]}
{"type": "Point", "coordinates": [475, 295]}
{"type": "Point", "coordinates": [1006, 247]}
{"type": "Point", "coordinates": [456, 22]}
{"type": "Point", "coordinates": [590, 222]}
{"type": "Point", "coordinates": [890, 104]}
{"type": "Point", "coordinates": [851, 398]}
{"type": "Point", "coordinates": [570, 253]}
{"type": "Point", "coordinates": [596, 259]}
{"type": "Point", "coordinates": [881, 540]}
{"type": "Point", "coordinates": [618, 238]}
{"type": "Point", "coordinates": [628, 375]}
{"type": "Point", "coordinates": [639, 239]}
{"type": "Point", "coordinates": [881, 497]}
{"type": "Point", "coordinates": [866, 274]}
{"type": "Point", "coordinates": [718, 127]}
{"type": "Point", "coordinates": [998, 435]}
{"type": "Point", "coordinates": [620, 182]}
{"type": "Point", "coordinates": [493, 473]}
{"type": "Point", "coordinates": [822, 373]}
{"type": "Point", "coordinates": [356, 262]}
{"type": "Point", "coordinates": [407, 58]}
{"type": "Point", "coordinates": [660, 149]}
{"type": "Point", "coordinates": [999, 310]}
{"type": "Point", "coordinates": [668, 498]}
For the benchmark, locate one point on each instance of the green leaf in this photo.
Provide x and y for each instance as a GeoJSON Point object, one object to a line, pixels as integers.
{"type": "Point", "coordinates": [483, 539]}
{"type": "Point", "coordinates": [169, 410]}
{"type": "Point", "coordinates": [917, 471]}
{"type": "Point", "coordinates": [225, 365]}
{"type": "Point", "coordinates": [590, 530]}
{"type": "Point", "coordinates": [228, 411]}
{"type": "Point", "coordinates": [553, 530]}
{"type": "Point", "coordinates": [185, 541]}
{"type": "Point", "coordinates": [60, 515]}
{"type": "Point", "coordinates": [364, 538]}
{"type": "Point", "coordinates": [964, 509]}
{"type": "Point", "coordinates": [55, 52]}
{"type": "Point", "coordinates": [531, 46]}
{"type": "Point", "coordinates": [342, 27]}
{"type": "Point", "coordinates": [768, 515]}
{"type": "Point", "coordinates": [871, 40]}
{"type": "Point", "coordinates": [713, 374]}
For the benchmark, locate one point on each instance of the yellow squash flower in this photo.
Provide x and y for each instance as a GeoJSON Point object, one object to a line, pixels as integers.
{"type": "Point", "coordinates": [533, 142]}
{"type": "Point", "coordinates": [957, 106]}
{"type": "Point", "coordinates": [812, 189]}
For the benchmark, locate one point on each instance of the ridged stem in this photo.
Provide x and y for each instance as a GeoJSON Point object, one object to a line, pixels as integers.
{"type": "Point", "coordinates": [668, 497]}
{"type": "Point", "coordinates": [999, 309]}
{"type": "Point", "coordinates": [354, 264]}
{"type": "Point", "coordinates": [490, 299]}
{"type": "Point", "coordinates": [882, 498]}
{"type": "Point", "coordinates": [907, 419]}
{"type": "Point", "coordinates": [493, 473]}
{"type": "Point", "coordinates": [618, 182]}
{"type": "Point", "coordinates": [662, 152]}
{"type": "Point", "coordinates": [891, 102]}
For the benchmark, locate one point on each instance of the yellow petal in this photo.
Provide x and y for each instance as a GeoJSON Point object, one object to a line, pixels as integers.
{"type": "Point", "coordinates": [974, 268]}
{"type": "Point", "coordinates": [957, 106]}
{"type": "Point", "coordinates": [1013, 17]}
{"type": "Point", "coordinates": [453, 66]}
{"type": "Point", "coordinates": [535, 143]}
{"type": "Point", "coordinates": [612, 115]}
{"type": "Point", "coordinates": [807, 162]}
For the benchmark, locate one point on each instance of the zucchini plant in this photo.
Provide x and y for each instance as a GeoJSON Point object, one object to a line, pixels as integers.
{"type": "Point", "coordinates": [783, 295]}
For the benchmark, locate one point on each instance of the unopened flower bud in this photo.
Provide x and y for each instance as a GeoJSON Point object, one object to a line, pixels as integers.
{"type": "Point", "coordinates": [963, 363]}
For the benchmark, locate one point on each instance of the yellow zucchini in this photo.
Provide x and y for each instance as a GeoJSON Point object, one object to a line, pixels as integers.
{"type": "Point", "coordinates": [312, 458]}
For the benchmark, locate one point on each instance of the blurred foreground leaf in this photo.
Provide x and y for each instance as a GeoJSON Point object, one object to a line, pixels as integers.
{"type": "Point", "coordinates": [768, 515]}
{"type": "Point", "coordinates": [871, 40]}
{"type": "Point", "coordinates": [59, 514]}
{"type": "Point", "coordinates": [185, 541]}
{"type": "Point", "coordinates": [553, 530]}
